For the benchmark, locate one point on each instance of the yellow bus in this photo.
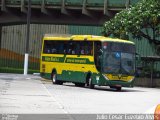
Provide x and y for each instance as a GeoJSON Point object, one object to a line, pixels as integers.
{"type": "Point", "coordinates": [88, 60]}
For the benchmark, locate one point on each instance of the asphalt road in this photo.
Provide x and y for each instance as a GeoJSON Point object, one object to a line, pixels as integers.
{"type": "Point", "coordinates": [31, 94]}
{"type": "Point", "coordinates": [104, 100]}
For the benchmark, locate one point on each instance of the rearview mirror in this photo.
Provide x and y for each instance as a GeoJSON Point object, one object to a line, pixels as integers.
{"type": "Point", "coordinates": [100, 52]}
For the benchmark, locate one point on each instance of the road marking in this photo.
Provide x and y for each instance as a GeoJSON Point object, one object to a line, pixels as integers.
{"type": "Point", "coordinates": [59, 104]}
{"type": "Point", "coordinates": [54, 99]}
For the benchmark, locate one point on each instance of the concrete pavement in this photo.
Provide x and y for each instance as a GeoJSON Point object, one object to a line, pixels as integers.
{"type": "Point", "coordinates": [32, 97]}
{"type": "Point", "coordinates": [21, 94]}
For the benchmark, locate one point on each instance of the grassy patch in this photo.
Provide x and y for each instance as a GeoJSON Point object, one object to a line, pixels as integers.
{"type": "Point", "coordinates": [16, 70]}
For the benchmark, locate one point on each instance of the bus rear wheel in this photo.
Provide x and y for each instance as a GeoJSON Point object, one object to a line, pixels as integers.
{"type": "Point", "coordinates": [54, 79]}
{"type": "Point", "coordinates": [91, 85]}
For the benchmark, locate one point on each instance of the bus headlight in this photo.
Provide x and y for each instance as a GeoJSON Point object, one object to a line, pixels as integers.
{"type": "Point", "coordinates": [131, 79]}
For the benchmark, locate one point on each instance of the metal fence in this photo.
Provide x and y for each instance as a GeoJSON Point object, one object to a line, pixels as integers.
{"type": "Point", "coordinates": [149, 53]}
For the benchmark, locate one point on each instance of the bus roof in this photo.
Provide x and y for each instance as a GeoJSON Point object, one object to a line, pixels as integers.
{"type": "Point", "coordinates": [68, 37]}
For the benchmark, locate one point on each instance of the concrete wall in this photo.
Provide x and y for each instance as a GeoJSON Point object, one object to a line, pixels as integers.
{"type": "Point", "coordinates": [14, 37]}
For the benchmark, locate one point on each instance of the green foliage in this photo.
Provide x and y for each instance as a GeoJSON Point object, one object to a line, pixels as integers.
{"type": "Point", "coordinates": [135, 20]}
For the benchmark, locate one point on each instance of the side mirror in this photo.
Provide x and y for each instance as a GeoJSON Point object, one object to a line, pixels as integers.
{"type": "Point", "coordinates": [100, 52]}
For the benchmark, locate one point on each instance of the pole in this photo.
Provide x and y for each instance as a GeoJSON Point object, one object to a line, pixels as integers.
{"type": "Point", "coordinates": [27, 38]}
{"type": "Point", "coordinates": [152, 66]}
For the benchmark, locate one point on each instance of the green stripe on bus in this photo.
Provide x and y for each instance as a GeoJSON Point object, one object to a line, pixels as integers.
{"type": "Point", "coordinates": [68, 60]}
{"type": "Point", "coordinates": [52, 59]}
{"type": "Point", "coordinates": [78, 61]}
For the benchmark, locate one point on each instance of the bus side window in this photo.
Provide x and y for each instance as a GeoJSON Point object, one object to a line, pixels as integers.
{"type": "Point", "coordinates": [65, 47]}
{"type": "Point", "coordinates": [89, 48]}
{"type": "Point", "coordinates": [46, 48]}
{"type": "Point", "coordinates": [77, 47]}
{"type": "Point", "coordinates": [71, 49]}
{"type": "Point", "coordinates": [82, 50]}
{"type": "Point", "coordinates": [86, 47]}
{"type": "Point", "coordinates": [53, 50]}
{"type": "Point", "coordinates": [53, 46]}
{"type": "Point", "coordinates": [59, 46]}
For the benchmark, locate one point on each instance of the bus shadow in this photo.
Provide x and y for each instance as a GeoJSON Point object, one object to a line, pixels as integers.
{"type": "Point", "coordinates": [114, 90]}
{"type": "Point", "coordinates": [106, 88]}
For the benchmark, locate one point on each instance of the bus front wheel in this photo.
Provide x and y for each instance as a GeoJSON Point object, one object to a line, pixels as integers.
{"type": "Point", "coordinates": [91, 85]}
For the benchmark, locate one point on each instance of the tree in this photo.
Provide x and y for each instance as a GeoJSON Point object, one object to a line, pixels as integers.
{"type": "Point", "coordinates": [136, 20]}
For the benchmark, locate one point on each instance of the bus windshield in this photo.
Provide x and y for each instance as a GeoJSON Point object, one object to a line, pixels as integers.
{"type": "Point", "coordinates": [118, 58]}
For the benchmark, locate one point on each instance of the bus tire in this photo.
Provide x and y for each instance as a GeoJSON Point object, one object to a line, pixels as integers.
{"type": "Point", "coordinates": [91, 85]}
{"type": "Point", "coordinates": [87, 78]}
{"type": "Point", "coordinates": [54, 79]}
